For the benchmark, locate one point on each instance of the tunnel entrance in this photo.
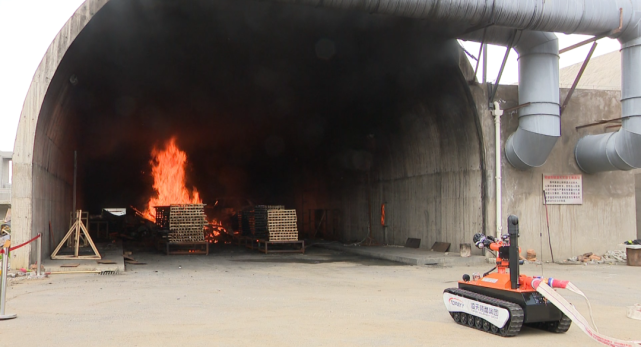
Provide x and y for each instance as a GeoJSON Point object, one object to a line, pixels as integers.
{"type": "Point", "coordinates": [332, 113]}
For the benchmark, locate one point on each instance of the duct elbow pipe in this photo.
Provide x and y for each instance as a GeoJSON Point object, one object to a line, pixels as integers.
{"type": "Point", "coordinates": [540, 122]}
{"type": "Point", "coordinates": [611, 151]}
{"type": "Point", "coordinates": [620, 150]}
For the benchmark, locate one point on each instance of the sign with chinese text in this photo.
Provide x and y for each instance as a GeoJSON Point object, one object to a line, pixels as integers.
{"type": "Point", "coordinates": [563, 189]}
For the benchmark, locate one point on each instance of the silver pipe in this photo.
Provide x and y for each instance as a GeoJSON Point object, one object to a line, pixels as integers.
{"type": "Point", "coordinates": [3, 285]}
{"type": "Point", "coordinates": [497, 162]}
{"type": "Point", "coordinates": [589, 17]}
{"type": "Point", "coordinates": [39, 255]}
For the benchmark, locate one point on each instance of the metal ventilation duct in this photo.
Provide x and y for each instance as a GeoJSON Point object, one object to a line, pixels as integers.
{"type": "Point", "coordinates": [539, 125]}
{"type": "Point", "coordinates": [590, 17]}
{"type": "Point", "coordinates": [540, 122]}
{"type": "Point", "coordinates": [620, 150]}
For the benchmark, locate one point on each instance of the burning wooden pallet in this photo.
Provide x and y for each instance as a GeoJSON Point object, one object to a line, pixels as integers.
{"type": "Point", "coordinates": [162, 217]}
{"type": "Point", "coordinates": [186, 223]}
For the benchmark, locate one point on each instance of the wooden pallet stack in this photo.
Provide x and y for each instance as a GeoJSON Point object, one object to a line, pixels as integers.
{"type": "Point", "coordinates": [261, 220]}
{"type": "Point", "coordinates": [187, 223]}
{"type": "Point", "coordinates": [281, 225]}
{"type": "Point", "coordinates": [162, 217]}
{"type": "Point", "coordinates": [245, 218]}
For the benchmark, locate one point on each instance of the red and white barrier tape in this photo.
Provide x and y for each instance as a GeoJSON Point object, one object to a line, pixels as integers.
{"type": "Point", "coordinates": [569, 310]}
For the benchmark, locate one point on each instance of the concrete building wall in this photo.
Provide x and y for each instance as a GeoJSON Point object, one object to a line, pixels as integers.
{"type": "Point", "coordinates": [607, 216]}
{"type": "Point", "coordinates": [5, 163]}
{"type": "Point", "coordinates": [5, 183]}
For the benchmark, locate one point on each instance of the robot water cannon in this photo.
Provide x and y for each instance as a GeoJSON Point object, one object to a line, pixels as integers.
{"type": "Point", "coordinates": [501, 302]}
{"type": "Point", "coordinates": [507, 248]}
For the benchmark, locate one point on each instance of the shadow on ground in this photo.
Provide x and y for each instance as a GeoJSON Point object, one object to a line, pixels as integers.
{"type": "Point", "coordinates": [312, 255]}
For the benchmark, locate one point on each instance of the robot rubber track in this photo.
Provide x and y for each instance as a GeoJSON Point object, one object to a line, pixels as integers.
{"type": "Point", "coordinates": [512, 326]}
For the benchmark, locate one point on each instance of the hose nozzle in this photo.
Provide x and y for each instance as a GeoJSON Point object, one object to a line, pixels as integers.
{"type": "Point", "coordinates": [481, 241]}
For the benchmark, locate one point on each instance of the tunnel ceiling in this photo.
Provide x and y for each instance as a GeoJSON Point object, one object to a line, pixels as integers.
{"type": "Point", "coordinates": [256, 93]}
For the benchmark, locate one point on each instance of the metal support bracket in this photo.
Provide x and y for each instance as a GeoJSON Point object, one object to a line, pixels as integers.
{"type": "Point", "coordinates": [578, 77]}
{"type": "Point", "coordinates": [598, 123]}
{"type": "Point", "coordinates": [478, 27]}
{"type": "Point", "coordinates": [476, 69]}
{"type": "Point", "coordinates": [498, 78]}
{"type": "Point", "coordinates": [598, 37]}
{"type": "Point", "coordinates": [507, 110]}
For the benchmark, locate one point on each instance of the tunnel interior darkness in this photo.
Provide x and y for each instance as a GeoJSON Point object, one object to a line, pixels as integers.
{"type": "Point", "coordinates": [270, 102]}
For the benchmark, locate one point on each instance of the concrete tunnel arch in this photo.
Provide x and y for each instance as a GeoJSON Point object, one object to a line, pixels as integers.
{"type": "Point", "coordinates": [428, 164]}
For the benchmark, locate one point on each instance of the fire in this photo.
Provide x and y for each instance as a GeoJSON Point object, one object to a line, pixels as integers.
{"type": "Point", "coordinates": [213, 231]}
{"type": "Point", "coordinates": [168, 170]}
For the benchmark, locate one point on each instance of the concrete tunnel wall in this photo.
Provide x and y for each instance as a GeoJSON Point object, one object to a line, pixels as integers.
{"type": "Point", "coordinates": [48, 162]}
{"type": "Point", "coordinates": [428, 161]}
{"type": "Point", "coordinates": [428, 173]}
{"type": "Point", "coordinates": [446, 164]}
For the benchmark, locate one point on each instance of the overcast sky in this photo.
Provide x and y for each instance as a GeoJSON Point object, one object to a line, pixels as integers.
{"type": "Point", "coordinates": [27, 27]}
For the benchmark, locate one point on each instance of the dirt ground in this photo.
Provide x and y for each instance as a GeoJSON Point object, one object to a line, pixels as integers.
{"type": "Point", "coordinates": [235, 297]}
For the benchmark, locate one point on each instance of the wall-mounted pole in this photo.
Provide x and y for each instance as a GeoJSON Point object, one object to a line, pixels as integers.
{"type": "Point", "coordinates": [497, 112]}
{"type": "Point", "coordinates": [39, 255]}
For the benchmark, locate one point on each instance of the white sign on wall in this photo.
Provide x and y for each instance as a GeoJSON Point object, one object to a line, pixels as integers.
{"type": "Point", "coordinates": [563, 189]}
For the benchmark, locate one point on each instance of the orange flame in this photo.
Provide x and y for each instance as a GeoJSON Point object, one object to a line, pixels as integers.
{"type": "Point", "coordinates": [213, 231]}
{"type": "Point", "coordinates": [168, 170]}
